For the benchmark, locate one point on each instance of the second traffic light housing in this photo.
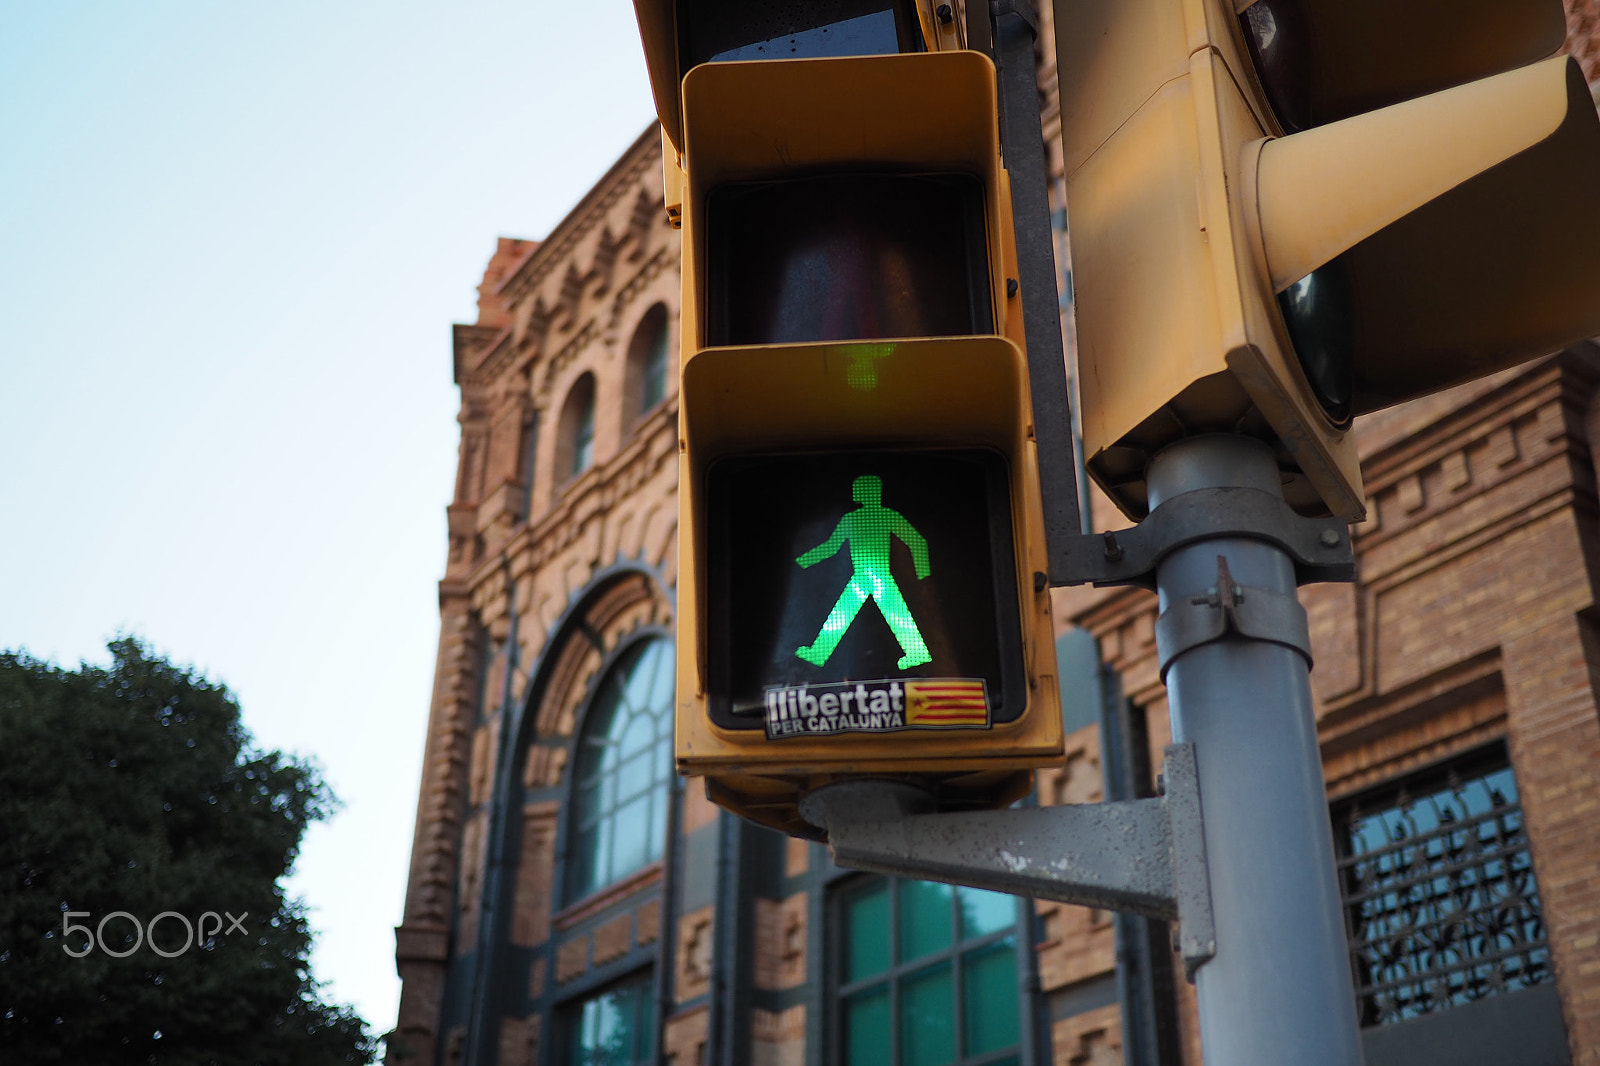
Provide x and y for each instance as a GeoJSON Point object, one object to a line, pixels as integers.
{"type": "Point", "coordinates": [1274, 229]}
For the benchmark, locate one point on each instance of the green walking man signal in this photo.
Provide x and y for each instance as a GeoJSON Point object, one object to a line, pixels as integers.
{"type": "Point", "coordinates": [868, 529]}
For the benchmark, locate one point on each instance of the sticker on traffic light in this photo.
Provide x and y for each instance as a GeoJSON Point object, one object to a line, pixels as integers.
{"type": "Point", "coordinates": [863, 591]}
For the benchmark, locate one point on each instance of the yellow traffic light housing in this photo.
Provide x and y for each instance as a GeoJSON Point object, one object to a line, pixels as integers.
{"type": "Point", "coordinates": [1232, 274]}
{"type": "Point", "coordinates": [859, 522]}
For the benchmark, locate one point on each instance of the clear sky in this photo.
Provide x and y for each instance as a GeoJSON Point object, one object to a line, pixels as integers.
{"type": "Point", "coordinates": [233, 238]}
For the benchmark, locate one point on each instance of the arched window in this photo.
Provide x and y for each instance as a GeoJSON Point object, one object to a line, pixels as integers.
{"type": "Point", "coordinates": [575, 447]}
{"type": "Point", "coordinates": [647, 362]}
{"type": "Point", "coordinates": [623, 771]}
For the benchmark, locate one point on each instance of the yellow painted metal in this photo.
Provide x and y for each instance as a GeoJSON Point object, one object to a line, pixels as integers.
{"type": "Point", "coordinates": [1367, 172]}
{"type": "Point", "coordinates": [1499, 267]}
{"type": "Point", "coordinates": [953, 391]}
{"type": "Point", "coordinates": [916, 113]}
{"type": "Point", "coordinates": [942, 36]}
{"type": "Point", "coordinates": [931, 112]}
{"type": "Point", "coordinates": [1189, 211]}
{"type": "Point", "coordinates": [672, 181]}
{"type": "Point", "coordinates": [927, 112]}
{"type": "Point", "coordinates": [658, 32]}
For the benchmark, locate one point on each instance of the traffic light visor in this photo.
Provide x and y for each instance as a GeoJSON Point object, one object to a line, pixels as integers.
{"type": "Point", "coordinates": [1457, 236]}
{"type": "Point", "coordinates": [846, 257]}
{"type": "Point", "coordinates": [835, 199]}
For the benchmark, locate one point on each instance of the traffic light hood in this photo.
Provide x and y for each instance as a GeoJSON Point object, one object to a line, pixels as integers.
{"type": "Point", "coordinates": [1463, 225]}
{"type": "Point", "coordinates": [1230, 276]}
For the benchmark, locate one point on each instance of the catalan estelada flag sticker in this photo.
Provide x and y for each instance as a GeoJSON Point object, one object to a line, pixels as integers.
{"type": "Point", "coordinates": [887, 705]}
{"type": "Point", "coordinates": [947, 702]}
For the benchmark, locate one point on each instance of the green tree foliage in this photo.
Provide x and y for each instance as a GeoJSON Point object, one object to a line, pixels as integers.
{"type": "Point", "coordinates": [135, 788]}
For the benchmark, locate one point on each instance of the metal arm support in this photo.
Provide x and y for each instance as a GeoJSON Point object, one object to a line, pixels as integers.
{"type": "Point", "coordinates": [1143, 856]}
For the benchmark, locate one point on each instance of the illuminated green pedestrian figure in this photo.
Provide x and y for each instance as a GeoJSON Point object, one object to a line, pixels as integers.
{"type": "Point", "coordinates": [868, 529]}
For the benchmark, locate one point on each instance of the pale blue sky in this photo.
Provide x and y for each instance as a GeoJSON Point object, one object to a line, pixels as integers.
{"type": "Point", "coordinates": [233, 238]}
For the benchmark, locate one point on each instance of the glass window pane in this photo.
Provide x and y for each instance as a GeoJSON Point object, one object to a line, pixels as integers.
{"type": "Point", "coordinates": [866, 924]}
{"type": "Point", "coordinates": [635, 776]}
{"type": "Point", "coordinates": [985, 912]}
{"type": "Point", "coordinates": [924, 918]}
{"type": "Point", "coordinates": [637, 737]}
{"type": "Point", "coordinates": [989, 984]}
{"type": "Point", "coordinates": [866, 1028]}
{"type": "Point", "coordinates": [661, 678]}
{"type": "Point", "coordinates": [584, 865]}
{"type": "Point", "coordinates": [630, 833]}
{"type": "Point", "coordinates": [658, 822]}
{"type": "Point", "coordinates": [624, 764]}
{"type": "Point", "coordinates": [927, 1018]}
{"type": "Point", "coordinates": [612, 1028]}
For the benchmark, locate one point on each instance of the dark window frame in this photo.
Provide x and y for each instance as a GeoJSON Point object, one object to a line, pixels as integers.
{"type": "Point", "coordinates": [574, 825]}
{"type": "Point", "coordinates": [568, 1015]}
{"type": "Point", "coordinates": [838, 990]}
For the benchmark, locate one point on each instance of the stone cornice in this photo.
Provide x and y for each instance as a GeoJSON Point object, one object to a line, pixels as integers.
{"type": "Point", "coordinates": [468, 343]}
{"type": "Point", "coordinates": [554, 251]}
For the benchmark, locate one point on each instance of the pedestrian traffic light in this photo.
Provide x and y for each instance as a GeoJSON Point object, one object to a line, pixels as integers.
{"type": "Point", "coordinates": [1285, 213]}
{"type": "Point", "coordinates": [861, 550]}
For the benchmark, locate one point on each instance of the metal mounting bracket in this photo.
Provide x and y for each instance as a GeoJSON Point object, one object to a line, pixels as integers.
{"type": "Point", "coordinates": [1144, 856]}
{"type": "Point", "coordinates": [1319, 547]}
{"type": "Point", "coordinates": [1257, 613]}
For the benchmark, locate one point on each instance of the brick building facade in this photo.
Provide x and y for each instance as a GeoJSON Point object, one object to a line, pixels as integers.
{"type": "Point", "coordinates": [567, 895]}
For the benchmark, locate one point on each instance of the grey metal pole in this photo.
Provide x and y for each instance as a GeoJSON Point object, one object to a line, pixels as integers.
{"type": "Point", "coordinates": [1279, 989]}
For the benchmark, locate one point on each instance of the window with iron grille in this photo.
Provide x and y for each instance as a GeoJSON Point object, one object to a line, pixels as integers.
{"type": "Point", "coordinates": [1439, 892]}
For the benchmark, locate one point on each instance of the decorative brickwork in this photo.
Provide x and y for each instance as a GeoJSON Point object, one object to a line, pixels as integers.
{"type": "Point", "coordinates": [530, 921]}
{"type": "Point", "coordinates": [519, 1041]}
{"type": "Point", "coordinates": [686, 1036]}
{"type": "Point", "coordinates": [780, 945]}
{"type": "Point", "coordinates": [648, 922]}
{"type": "Point", "coordinates": [612, 939]}
{"type": "Point", "coordinates": [796, 857]}
{"type": "Point", "coordinates": [778, 1038]}
{"type": "Point", "coordinates": [1093, 1038]}
{"type": "Point", "coordinates": [693, 955]}
{"type": "Point", "coordinates": [572, 958]}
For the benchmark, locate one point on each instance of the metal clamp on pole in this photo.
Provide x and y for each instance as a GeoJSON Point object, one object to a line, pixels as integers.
{"type": "Point", "coordinates": [1319, 547]}
{"type": "Point", "coordinates": [1144, 856]}
{"type": "Point", "coordinates": [1257, 613]}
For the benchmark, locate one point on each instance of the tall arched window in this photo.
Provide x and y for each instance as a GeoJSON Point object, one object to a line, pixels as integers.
{"type": "Point", "coordinates": [623, 771]}
{"type": "Point", "coordinates": [646, 383]}
{"type": "Point", "coordinates": [575, 444]}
